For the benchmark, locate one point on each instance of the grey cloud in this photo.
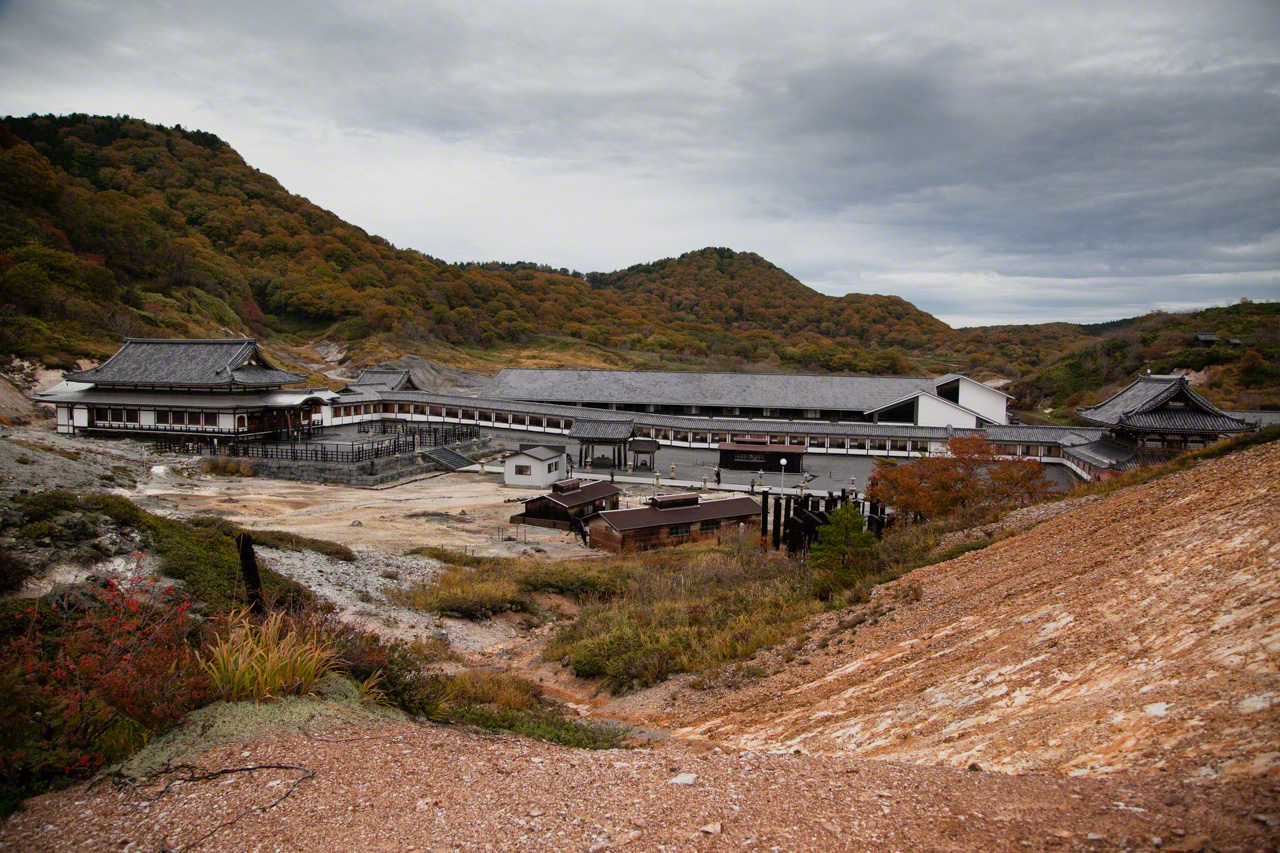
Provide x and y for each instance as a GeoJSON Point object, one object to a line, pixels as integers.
{"type": "Point", "coordinates": [1119, 153]}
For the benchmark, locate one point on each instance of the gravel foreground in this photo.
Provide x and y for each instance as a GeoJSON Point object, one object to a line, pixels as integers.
{"type": "Point", "coordinates": [410, 787]}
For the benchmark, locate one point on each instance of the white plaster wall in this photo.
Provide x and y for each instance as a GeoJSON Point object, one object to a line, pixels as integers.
{"type": "Point", "coordinates": [147, 417]}
{"type": "Point", "coordinates": [539, 477]}
{"type": "Point", "coordinates": [226, 422]}
{"type": "Point", "coordinates": [79, 415]}
{"type": "Point", "coordinates": [987, 402]}
{"type": "Point", "coordinates": [936, 412]}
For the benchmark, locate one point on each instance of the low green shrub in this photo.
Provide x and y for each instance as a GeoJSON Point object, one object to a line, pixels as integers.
{"type": "Point", "coordinates": [201, 553]}
{"type": "Point", "coordinates": [14, 571]}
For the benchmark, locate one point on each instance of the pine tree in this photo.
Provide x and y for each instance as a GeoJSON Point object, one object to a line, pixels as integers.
{"type": "Point", "coordinates": [845, 554]}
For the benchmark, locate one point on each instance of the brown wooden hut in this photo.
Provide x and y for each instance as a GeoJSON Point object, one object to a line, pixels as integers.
{"type": "Point", "coordinates": [568, 500]}
{"type": "Point", "coordinates": [671, 520]}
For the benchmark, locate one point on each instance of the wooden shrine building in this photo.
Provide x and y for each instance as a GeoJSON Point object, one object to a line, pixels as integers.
{"type": "Point", "coordinates": [1162, 413]}
{"type": "Point", "coordinates": [601, 442]}
{"type": "Point", "coordinates": [188, 389]}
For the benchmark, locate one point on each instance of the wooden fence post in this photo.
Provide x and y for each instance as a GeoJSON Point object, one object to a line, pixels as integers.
{"type": "Point", "coordinates": [249, 568]}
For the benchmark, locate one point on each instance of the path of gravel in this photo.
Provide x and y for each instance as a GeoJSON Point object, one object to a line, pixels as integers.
{"type": "Point", "coordinates": [406, 787]}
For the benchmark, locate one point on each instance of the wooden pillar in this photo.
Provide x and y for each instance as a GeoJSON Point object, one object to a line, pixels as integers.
{"type": "Point", "coordinates": [249, 569]}
{"type": "Point", "coordinates": [787, 513]}
{"type": "Point", "coordinates": [764, 514]}
{"type": "Point", "coordinates": [777, 521]}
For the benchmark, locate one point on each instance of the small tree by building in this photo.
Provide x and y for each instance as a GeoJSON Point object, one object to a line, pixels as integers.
{"type": "Point", "coordinates": [845, 554]}
{"type": "Point", "coordinates": [971, 476]}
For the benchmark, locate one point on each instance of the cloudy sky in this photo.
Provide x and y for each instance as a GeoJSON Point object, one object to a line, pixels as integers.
{"type": "Point", "coordinates": [990, 162]}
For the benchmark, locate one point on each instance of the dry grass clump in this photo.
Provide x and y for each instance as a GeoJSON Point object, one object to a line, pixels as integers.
{"type": "Point", "coordinates": [225, 466]}
{"type": "Point", "coordinates": [287, 541]}
{"type": "Point", "coordinates": [690, 609]}
{"type": "Point", "coordinates": [44, 448]}
{"type": "Point", "coordinates": [267, 659]}
{"type": "Point", "coordinates": [497, 689]}
{"type": "Point", "coordinates": [458, 592]}
{"type": "Point", "coordinates": [644, 616]}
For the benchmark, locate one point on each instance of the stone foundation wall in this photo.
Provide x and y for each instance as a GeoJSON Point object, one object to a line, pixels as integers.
{"type": "Point", "coordinates": [375, 472]}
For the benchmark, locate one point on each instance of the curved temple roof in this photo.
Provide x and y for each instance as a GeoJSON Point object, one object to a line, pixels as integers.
{"type": "Point", "coordinates": [1144, 406]}
{"type": "Point", "coordinates": [150, 362]}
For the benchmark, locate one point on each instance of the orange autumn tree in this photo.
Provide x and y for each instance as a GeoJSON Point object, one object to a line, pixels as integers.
{"type": "Point", "coordinates": [970, 477]}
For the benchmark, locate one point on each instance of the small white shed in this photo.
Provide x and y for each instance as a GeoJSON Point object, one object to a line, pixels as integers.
{"type": "Point", "coordinates": [535, 467]}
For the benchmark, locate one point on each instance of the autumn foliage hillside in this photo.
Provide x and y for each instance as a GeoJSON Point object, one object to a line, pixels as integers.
{"type": "Point", "coordinates": [113, 226]}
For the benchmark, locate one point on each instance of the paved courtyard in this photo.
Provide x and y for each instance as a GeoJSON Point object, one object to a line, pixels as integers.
{"type": "Point", "coordinates": [827, 472]}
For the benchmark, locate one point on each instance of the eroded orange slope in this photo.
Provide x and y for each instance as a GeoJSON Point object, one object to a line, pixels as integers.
{"type": "Point", "coordinates": [1142, 631]}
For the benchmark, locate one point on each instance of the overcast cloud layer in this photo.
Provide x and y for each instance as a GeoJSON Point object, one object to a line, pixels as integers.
{"type": "Point", "coordinates": [990, 162]}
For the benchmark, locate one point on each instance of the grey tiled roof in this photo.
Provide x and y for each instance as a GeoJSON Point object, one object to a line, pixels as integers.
{"type": "Point", "coordinates": [388, 377]}
{"type": "Point", "coordinates": [587, 429]}
{"type": "Point", "coordinates": [1104, 454]}
{"type": "Point", "coordinates": [187, 363]}
{"type": "Point", "coordinates": [662, 387]}
{"type": "Point", "coordinates": [1029, 434]}
{"type": "Point", "coordinates": [1143, 406]}
{"type": "Point", "coordinates": [541, 453]}
{"type": "Point", "coordinates": [154, 399]}
{"type": "Point", "coordinates": [1003, 433]}
{"type": "Point", "coordinates": [1258, 419]}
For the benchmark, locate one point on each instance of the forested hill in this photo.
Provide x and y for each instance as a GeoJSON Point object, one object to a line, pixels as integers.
{"type": "Point", "coordinates": [112, 227]}
{"type": "Point", "coordinates": [1240, 376]}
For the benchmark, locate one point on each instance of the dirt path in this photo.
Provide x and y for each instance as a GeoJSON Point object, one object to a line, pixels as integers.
{"type": "Point", "coordinates": [405, 787]}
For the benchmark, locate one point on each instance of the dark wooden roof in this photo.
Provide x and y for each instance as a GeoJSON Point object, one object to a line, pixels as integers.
{"type": "Point", "coordinates": [152, 363]}
{"type": "Point", "coordinates": [637, 519]}
{"type": "Point", "coordinates": [1145, 406]}
{"type": "Point", "coordinates": [584, 495]}
{"type": "Point", "coordinates": [586, 429]}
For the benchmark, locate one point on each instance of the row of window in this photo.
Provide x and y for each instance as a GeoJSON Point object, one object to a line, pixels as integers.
{"type": "Point", "coordinates": [709, 526]}
{"type": "Point", "coordinates": [164, 417]}
{"type": "Point", "coordinates": [815, 441]}
{"type": "Point", "coordinates": [177, 418]}
{"type": "Point", "coordinates": [446, 412]}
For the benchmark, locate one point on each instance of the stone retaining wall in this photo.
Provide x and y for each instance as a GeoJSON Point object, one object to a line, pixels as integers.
{"type": "Point", "coordinates": [374, 472]}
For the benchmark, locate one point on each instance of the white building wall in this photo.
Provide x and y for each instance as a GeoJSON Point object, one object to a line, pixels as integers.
{"type": "Point", "coordinates": [146, 417]}
{"type": "Point", "coordinates": [542, 472]}
{"type": "Point", "coordinates": [936, 412]}
{"type": "Point", "coordinates": [79, 416]}
{"type": "Point", "coordinates": [987, 402]}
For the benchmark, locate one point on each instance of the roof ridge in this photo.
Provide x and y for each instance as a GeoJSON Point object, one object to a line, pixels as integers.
{"type": "Point", "coordinates": [720, 373]}
{"type": "Point", "coordinates": [189, 340]}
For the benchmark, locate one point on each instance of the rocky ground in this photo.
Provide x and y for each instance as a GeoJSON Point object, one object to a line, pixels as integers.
{"type": "Point", "coordinates": [1137, 631]}
{"type": "Point", "coordinates": [408, 787]}
{"type": "Point", "coordinates": [1109, 674]}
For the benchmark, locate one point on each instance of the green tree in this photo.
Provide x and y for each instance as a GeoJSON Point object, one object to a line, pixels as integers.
{"type": "Point", "coordinates": [845, 554]}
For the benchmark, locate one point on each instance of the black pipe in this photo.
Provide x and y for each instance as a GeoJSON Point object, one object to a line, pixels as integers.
{"type": "Point", "coordinates": [764, 514]}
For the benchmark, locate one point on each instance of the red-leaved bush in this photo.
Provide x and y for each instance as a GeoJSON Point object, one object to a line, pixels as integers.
{"type": "Point", "coordinates": [88, 675]}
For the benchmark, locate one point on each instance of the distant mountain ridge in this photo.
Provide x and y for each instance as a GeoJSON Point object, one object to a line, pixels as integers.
{"type": "Point", "coordinates": [111, 226]}
{"type": "Point", "coordinates": [114, 227]}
